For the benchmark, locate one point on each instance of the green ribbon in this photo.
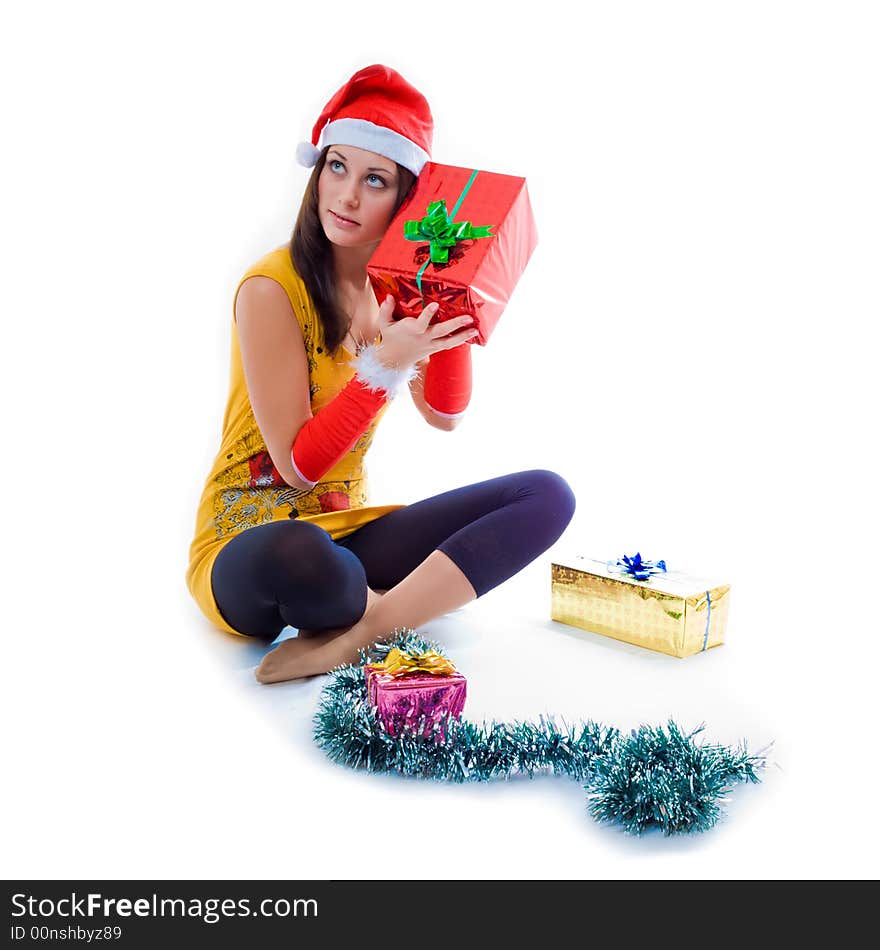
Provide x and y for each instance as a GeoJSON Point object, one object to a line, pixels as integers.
{"type": "Point", "coordinates": [440, 230]}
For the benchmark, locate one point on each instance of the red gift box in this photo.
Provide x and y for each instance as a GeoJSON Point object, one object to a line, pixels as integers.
{"type": "Point", "coordinates": [462, 239]}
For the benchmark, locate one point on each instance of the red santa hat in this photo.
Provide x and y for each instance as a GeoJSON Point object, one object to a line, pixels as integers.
{"type": "Point", "coordinates": [377, 110]}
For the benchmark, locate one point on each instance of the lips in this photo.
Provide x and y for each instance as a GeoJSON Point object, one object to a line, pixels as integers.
{"type": "Point", "coordinates": [347, 220]}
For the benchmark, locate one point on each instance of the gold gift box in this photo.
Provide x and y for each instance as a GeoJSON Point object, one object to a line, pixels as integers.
{"type": "Point", "coordinates": [672, 613]}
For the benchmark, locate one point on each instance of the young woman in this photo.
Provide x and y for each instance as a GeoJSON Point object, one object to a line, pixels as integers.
{"type": "Point", "coordinates": [284, 534]}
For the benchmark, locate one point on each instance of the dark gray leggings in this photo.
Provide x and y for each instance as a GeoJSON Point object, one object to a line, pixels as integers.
{"type": "Point", "coordinates": [292, 572]}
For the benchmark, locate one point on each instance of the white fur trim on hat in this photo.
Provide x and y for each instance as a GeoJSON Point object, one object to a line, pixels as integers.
{"type": "Point", "coordinates": [374, 138]}
{"type": "Point", "coordinates": [307, 154]}
{"type": "Point", "coordinates": [372, 371]}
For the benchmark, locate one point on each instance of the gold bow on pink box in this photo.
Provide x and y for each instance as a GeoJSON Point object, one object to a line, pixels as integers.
{"type": "Point", "coordinates": [398, 663]}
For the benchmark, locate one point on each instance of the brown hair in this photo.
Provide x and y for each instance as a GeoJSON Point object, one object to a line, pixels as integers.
{"type": "Point", "coordinates": [312, 256]}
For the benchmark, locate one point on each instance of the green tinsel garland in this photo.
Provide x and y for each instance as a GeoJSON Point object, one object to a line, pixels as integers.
{"type": "Point", "coordinates": [652, 778]}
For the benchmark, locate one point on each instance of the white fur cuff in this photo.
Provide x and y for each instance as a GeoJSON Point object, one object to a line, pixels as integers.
{"type": "Point", "coordinates": [372, 371]}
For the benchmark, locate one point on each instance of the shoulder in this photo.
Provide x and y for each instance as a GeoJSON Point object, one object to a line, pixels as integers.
{"type": "Point", "coordinates": [258, 291]}
{"type": "Point", "coordinates": [272, 279]}
{"type": "Point", "coordinates": [279, 267]}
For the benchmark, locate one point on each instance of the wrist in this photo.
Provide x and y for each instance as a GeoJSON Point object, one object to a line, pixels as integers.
{"type": "Point", "coordinates": [448, 382]}
{"type": "Point", "coordinates": [378, 376]}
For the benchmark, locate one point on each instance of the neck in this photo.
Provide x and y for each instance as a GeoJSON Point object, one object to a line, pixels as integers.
{"type": "Point", "coordinates": [350, 268]}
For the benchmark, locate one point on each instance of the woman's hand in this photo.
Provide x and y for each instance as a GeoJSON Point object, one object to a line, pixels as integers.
{"type": "Point", "coordinates": [412, 340]}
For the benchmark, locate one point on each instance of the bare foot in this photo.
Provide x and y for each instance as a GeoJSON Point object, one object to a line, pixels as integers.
{"type": "Point", "coordinates": [289, 660]}
{"type": "Point", "coordinates": [373, 597]}
{"type": "Point", "coordinates": [312, 652]}
{"type": "Point", "coordinates": [295, 659]}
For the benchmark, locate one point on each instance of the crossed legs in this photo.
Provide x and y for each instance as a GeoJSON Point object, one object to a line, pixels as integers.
{"type": "Point", "coordinates": [431, 557]}
{"type": "Point", "coordinates": [434, 588]}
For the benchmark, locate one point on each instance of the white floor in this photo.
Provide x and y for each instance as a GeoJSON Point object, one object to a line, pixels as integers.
{"type": "Point", "coordinates": [153, 758]}
{"type": "Point", "coordinates": [519, 664]}
{"type": "Point", "coordinates": [689, 347]}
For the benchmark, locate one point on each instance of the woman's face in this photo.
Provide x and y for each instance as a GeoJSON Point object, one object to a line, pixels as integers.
{"type": "Point", "coordinates": [357, 192]}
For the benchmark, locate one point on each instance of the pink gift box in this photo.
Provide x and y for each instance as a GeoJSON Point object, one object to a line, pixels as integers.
{"type": "Point", "coordinates": [401, 701]}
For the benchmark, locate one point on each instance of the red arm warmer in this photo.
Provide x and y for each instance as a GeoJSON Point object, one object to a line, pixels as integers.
{"type": "Point", "coordinates": [331, 432]}
{"type": "Point", "coordinates": [448, 380]}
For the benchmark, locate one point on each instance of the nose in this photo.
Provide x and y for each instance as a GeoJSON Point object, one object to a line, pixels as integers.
{"type": "Point", "coordinates": [350, 197]}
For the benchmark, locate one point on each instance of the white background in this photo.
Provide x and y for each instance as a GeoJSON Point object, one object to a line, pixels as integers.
{"type": "Point", "coordinates": [692, 347]}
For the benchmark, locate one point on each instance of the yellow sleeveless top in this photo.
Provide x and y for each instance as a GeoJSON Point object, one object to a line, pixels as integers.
{"type": "Point", "coordinates": [244, 489]}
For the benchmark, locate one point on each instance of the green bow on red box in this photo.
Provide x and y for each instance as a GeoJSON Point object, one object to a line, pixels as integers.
{"type": "Point", "coordinates": [440, 230]}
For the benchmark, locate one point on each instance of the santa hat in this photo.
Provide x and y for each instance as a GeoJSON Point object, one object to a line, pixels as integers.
{"type": "Point", "coordinates": [377, 110]}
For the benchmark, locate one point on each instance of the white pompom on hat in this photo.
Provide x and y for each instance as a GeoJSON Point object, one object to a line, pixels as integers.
{"type": "Point", "coordinates": [376, 110]}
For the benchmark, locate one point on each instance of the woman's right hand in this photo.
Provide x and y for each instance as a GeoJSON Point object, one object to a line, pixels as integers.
{"type": "Point", "coordinates": [412, 339]}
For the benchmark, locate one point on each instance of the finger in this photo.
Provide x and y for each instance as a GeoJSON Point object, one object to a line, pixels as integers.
{"type": "Point", "coordinates": [386, 310]}
{"type": "Point", "coordinates": [455, 339]}
{"type": "Point", "coordinates": [426, 315]}
{"type": "Point", "coordinates": [448, 326]}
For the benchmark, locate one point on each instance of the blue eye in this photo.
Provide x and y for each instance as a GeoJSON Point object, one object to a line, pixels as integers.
{"type": "Point", "coordinates": [333, 162]}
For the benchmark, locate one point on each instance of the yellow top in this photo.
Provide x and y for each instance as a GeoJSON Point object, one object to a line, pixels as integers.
{"type": "Point", "coordinates": [244, 489]}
